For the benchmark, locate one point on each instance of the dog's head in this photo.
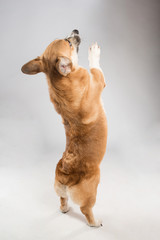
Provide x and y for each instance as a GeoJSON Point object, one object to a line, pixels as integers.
{"type": "Point", "coordinates": [60, 57]}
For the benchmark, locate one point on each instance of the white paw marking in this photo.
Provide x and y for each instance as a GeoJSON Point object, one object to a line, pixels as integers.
{"type": "Point", "coordinates": [94, 56]}
{"type": "Point", "coordinates": [60, 189]}
{"type": "Point", "coordinates": [97, 223]}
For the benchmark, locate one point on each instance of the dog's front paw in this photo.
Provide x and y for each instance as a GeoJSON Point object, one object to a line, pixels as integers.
{"type": "Point", "coordinates": [97, 223]}
{"type": "Point", "coordinates": [94, 56]}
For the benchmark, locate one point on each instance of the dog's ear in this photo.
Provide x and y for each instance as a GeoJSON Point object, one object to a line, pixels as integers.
{"type": "Point", "coordinates": [63, 65]}
{"type": "Point", "coordinates": [32, 67]}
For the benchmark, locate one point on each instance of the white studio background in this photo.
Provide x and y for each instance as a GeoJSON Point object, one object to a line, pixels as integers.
{"type": "Point", "coordinates": [32, 137]}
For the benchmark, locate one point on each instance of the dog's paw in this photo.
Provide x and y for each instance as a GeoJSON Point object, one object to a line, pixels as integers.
{"type": "Point", "coordinates": [94, 56]}
{"type": "Point", "coordinates": [64, 209]}
{"type": "Point", "coordinates": [97, 223]}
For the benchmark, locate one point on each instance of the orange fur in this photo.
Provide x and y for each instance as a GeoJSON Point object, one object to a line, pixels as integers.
{"type": "Point", "coordinates": [77, 98]}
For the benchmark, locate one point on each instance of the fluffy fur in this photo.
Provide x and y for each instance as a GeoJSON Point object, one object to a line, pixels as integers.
{"type": "Point", "coordinates": [76, 96]}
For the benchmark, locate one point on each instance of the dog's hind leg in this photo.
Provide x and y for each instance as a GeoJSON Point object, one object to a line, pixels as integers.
{"type": "Point", "coordinates": [62, 193]}
{"type": "Point", "coordinates": [64, 205]}
{"type": "Point", "coordinates": [84, 194]}
{"type": "Point", "coordinates": [87, 211]}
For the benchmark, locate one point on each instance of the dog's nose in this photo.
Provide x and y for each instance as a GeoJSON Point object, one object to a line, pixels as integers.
{"type": "Point", "coordinates": [75, 31]}
{"type": "Point", "coordinates": [75, 38]}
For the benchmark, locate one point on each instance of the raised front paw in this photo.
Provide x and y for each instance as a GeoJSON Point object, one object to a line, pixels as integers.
{"type": "Point", "coordinates": [94, 56]}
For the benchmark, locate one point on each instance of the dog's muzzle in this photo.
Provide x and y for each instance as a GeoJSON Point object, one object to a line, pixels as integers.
{"type": "Point", "coordinates": [74, 39]}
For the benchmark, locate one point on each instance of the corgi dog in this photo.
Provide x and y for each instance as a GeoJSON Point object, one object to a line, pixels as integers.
{"type": "Point", "coordinates": [76, 96]}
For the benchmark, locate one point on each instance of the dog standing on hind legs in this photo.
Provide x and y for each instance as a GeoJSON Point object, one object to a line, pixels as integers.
{"type": "Point", "coordinates": [76, 95]}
